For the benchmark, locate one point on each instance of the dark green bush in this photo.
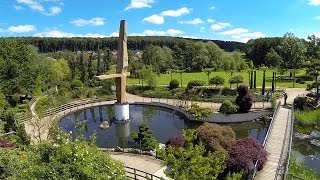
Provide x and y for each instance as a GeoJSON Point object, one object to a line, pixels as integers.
{"type": "Point", "coordinates": [228, 108]}
{"type": "Point", "coordinates": [300, 103]}
{"type": "Point", "coordinates": [75, 84]}
{"type": "Point", "coordinates": [217, 81]}
{"type": "Point", "coordinates": [173, 84]}
{"type": "Point", "coordinates": [228, 92]}
{"type": "Point", "coordinates": [305, 78]}
{"type": "Point", "coordinates": [195, 83]}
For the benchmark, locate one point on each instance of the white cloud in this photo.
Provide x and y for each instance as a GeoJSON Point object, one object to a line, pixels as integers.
{"type": "Point", "coordinates": [317, 34]}
{"type": "Point", "coordinates": [32, 4]}
{"type": "Point", "coordinates": [235, 31]}
{"type": "Point", "coordinates": [37, 6]}
{"type": "Point", "coordinates": [314, 2]}
{"type": "Point", "coordinates": [195, 21]}
{"type": "Point", "coordinates": [89, 22]}
{"type": "Point", "coordinates": [190, 37]}
{"type": "Point", "coordinates": [21, 29]}
{"type": "Point", "coordinates": [138, 4]}
{"type": "Point", "coordinates": [212, 7]}
{"type": "Point", "coordinates": [317, 17]}
{"type": "Point", "coordinates": [114, 34]}
{"type": "Point", "coordinates": [54, 11]}
{"type": "Point", "coordinates": [154, 19]}
{"type": "Point", "coordinates": [210, 20]}
{"type": "Point", "coordinates": [202, 28]}
{"type": "Point", "coordinates": [176, 13]}
{"type": "Point", "coordinates": [169, 32]}
{"type": "Point", "coordinates": [18, 7]}
{"type": "Point", "coordinates": [220, 26]}
{"type": "Point", "coordinates": [1, 30]}
{"type": "Point", "coordinates": [57, 33]}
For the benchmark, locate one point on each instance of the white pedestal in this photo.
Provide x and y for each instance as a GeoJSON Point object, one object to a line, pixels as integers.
{"type": "Point", "coordinates": [121, 112]}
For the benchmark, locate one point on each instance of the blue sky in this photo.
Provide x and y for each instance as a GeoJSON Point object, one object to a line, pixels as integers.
{"type": "Point", "coordinates": [210, 19]}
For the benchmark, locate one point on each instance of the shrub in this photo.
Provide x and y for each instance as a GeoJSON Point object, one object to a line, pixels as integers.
{"type": "Point", "coordinates": [5, 144]}
{"type": "Point", "coordinates": [195, 83]}
{"type": "Point", "coordinates": [228, 92]}
{"type": "Point", "coordinates": [42, 104]}
{"type": "Point", "coordinates": [228, 108]}
{"type": "Point", "coordinates": [236, 79]}
{"type": "Point", "coordinates": [305, 78]}
{"type": "Point", "coordinates": [146, 138]}
{"type": "Point", "coordinates": [217, 80]}
{"type": "Point", "coordinates": [173, 84]}
{"type": "Point", "coordinates": [246, 151]}
{"type": "Point", "coordinates": [199, 113]}
{"type": "Point", "coordinates": [244, 100]}
{"type": "Point", "coordinates": [300, 103]}
{"type": "Point", "coordinates": [75, 84]}
{"type": "Point", "coordinates": [273, 102]}
{"type": "Point", "coordinates": [215, 137]}
{"type": "Point", "coordinates": [176, 141]}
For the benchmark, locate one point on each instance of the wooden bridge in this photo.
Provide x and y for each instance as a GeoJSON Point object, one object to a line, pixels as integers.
{"type": "Point", "coordinates": [278, 144]}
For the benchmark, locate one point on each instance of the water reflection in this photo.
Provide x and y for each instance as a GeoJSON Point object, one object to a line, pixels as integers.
{"type": "Point", "coordinates": [307, 153]}
{"type": "Point", "coordinates": [163, 122]}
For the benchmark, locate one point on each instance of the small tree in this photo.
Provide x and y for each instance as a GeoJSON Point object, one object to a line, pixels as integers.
{"type": "Point", "coordinates": [215, 137]}
{"type": "Point", "coordinates": [236, 80]}
{"type": "Point", "coordinates": [217, 80]}
{"type": "Point", "coordinates": [145, 137]}
{"type": "Point", "coordinates": [192, 161]}
{"type": "Point", "coordinates": [208, 71]}
{"type": "Point", "coordinates": [173, 84]}
{"type": "Point", "coordinates": [245, 152]}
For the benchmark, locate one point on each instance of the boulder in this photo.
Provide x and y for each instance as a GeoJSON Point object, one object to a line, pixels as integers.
{"type": "Point", "coordinates": [315, 134]}
{"type": "Point", "coordinates": [301, 136]}
{"type": "Point", "coordinates": [315, 142]}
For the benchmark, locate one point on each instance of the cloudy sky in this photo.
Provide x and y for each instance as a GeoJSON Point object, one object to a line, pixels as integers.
{"type": "Point", "coordinates": [237, 20]}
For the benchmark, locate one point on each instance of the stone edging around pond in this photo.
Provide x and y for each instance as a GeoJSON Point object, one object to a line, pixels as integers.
{"type": "Point", "coordinates": [314, 137]}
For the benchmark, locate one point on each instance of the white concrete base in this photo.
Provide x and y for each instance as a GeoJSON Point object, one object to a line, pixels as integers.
{"type": "Point", "coordinates": [121, 112]}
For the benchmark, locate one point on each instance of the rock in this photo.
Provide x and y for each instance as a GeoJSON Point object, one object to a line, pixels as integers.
{"type": "Point", "coordinates": [301, 136]}
{"type": "Point", "coordinates": [315, 134]}
{"type": "Point", "coordinates": [153, 153]}
{"type": "Point", "coordinates": [315, 142]}
{"type": "Point", "coordinates": [104, 125]}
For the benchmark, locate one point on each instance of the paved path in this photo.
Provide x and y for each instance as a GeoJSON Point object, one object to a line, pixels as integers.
{"type": "Point", "coordinates": [187, 103]}
{"type": "Point", "coordinates": [278, 135]}
{"type": "Point", "coordinates": [148, 164]}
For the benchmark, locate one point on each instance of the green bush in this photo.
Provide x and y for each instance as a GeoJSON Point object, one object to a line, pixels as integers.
{"type": "Point", "coordinates": [195, 83]}
{"type": "Point", "coordinates": [228, 92]}
{"type": "Point", "coordinates": [145, 137]}
{"type": "Point", "coordinates": [300, 103]}
{"type": "Point", "coordinates": [42, 104]}
{"type": "Point", "coordinates": [199, 113]}
{"type": "Point", "coordinates": [236, 79]}
{"type": "Point", "coordinates": [217, 80]}
{"type": "Point", "coordinates": [273, 102]}
{"type": "Point", "coordinates": [75, 84]}
{"type": "Point", "coordinates": [173, 84]}
{"type": "Point", "coordinates": [228, 108]}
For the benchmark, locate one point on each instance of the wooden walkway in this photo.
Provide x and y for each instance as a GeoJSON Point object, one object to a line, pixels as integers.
{"type": "Point", "coordinates": [277, 145]}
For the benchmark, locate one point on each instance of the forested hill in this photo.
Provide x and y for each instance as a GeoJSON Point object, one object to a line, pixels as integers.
{"type": "Point", "coordinates": [134, 43]}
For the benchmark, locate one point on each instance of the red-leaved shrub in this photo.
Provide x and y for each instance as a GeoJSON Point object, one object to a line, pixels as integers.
{"type": "Point", "coordinates": [246, 151]}
{"type": "Point", "coordinates": [176, 141]}
{"type": "Point", "coordinates": [6, 144]}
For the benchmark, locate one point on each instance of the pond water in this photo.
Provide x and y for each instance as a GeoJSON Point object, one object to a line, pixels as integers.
{"type": "Point", "coordinates": [307, 153]}
{"type": "Point", "coordinates": [163, 122]}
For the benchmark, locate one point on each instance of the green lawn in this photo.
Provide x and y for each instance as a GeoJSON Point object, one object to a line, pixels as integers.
{"type": "Point", "coordinates": [164, 79]}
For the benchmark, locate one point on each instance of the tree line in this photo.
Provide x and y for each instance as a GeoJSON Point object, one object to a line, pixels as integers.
{"type": "Point", "coordinates": [134, 43]}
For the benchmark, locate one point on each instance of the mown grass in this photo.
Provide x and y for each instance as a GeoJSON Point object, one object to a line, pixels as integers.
{"type": "Point", "coordinates": [164, 79]}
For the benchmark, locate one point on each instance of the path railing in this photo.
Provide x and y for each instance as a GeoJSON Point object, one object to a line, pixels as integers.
{"type": "Point", "coordinates": [267, 135]}
{"type": "Point", "coordinates": [21, 118]}
{"type": "Point", "coordinates": [134, 173]}
{"type": "Point", "coordinates": [284, 150]}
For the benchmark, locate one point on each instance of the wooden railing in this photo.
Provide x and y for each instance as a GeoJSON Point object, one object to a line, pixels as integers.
{"type": "Point", "coordinates": [133, 173]}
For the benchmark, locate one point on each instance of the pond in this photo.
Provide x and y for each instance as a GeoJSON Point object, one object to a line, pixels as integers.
{"type": "Point", "coordinates": [163, 122]}
{"type": "Point", "coordinates": [307, 153]}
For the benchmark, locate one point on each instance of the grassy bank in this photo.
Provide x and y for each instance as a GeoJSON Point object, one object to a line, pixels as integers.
{"type": "Point", "coordinates": [164, 79]}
